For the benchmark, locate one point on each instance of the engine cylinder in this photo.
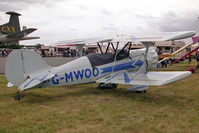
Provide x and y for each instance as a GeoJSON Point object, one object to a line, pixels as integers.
{"type": "Point", "coordinates": [152, 59]}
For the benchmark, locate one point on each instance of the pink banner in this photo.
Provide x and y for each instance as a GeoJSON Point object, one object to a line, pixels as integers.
{"type": "Point", "coordinates": [195, 39]}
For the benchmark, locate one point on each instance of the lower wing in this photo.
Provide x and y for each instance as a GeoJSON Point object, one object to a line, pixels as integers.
{"type": "Point", "coordinates": [148, 78]}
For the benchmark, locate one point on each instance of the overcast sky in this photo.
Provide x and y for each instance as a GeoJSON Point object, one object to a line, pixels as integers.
{"type": "Point", "coordinates": [58, 20]}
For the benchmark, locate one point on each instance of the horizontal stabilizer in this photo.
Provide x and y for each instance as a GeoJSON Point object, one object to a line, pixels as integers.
{"type": "Point", "coordinates": [13, 13]}
{"type": "Point", "coordinates": [29, 38]}
{"type": "Point", "coordinates": [148, 78]}
{"type": "Point", "coordinates": [32, 82]}
{"type": "Point", "coordinates": [21, 34]}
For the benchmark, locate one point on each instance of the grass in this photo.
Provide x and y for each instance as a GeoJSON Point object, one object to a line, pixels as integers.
{"type": "Point", "coordinates": [85, 109]}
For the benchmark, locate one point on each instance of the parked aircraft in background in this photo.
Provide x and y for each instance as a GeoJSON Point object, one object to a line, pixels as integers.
{"type": "Point", "coordinates": [195, 40]}
{"type": "Point", "coordinates": [26, 69]}
{"type": "Point", "coordinates": [10, 33]}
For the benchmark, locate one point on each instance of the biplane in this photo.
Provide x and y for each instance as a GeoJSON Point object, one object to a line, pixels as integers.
{"type": "Point", "coordinates": [26, 69]}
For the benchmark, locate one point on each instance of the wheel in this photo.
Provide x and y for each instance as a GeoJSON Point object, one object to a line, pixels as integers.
{"type": "Point", "coordinates": [114, 85]}
{"type": "Point", "coordinates": [139, 92]}
{"type": "Point", "coordinates": [145, 91]}
{"type": "Point", "coordinates": [107, 86]}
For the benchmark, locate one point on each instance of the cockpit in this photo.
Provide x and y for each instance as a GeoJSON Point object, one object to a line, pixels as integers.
{"type": "Point", "coordinates": [109, 56]}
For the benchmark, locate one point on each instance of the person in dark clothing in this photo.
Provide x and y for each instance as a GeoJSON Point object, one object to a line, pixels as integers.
{"type": "Point", "coordinates": [197, 59]}
{"type": "Point", "coordinates": [164, 64]}
{"type": "Point", "coordinates": [3, 53]}
{"type": "Point", "coordinates": [189, 58]}
{"type": "Point", "coordinates": [43, 53]}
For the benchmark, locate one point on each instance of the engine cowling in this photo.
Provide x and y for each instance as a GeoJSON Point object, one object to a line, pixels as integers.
{"type": "Point", "coordinates": [152, 57]}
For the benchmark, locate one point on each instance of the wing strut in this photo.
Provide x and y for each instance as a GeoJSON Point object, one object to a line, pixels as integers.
{"type": "Point", "coordinates": [115, 49]}
{"type": "Point", "coordinates": [100, 47]}
{"type": "Point", "coordinates": [144, 66]}
{"type": "Point", "coordinates": [107, 47]}
{"type": "Point", "coordinates": [115, 57]}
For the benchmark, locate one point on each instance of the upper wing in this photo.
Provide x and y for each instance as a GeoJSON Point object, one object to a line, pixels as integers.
{"type": "Point", "coordinates": [167, 36]}
{"type": "Point", "coordinates": [84, 41]}
{"type": "Point", "coordinates": [22, 33]}
{"type": "Point", "coordinates": [148, 78]}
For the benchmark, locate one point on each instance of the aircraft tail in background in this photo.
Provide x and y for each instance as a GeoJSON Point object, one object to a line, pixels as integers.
{"type": "Point", "coordinates": [11, 32]}
{"type": "Point", "coordinates": [12, 26]}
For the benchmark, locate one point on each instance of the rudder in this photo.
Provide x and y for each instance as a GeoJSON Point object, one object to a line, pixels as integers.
{"type": "Point", "coordinates": [23, 64]}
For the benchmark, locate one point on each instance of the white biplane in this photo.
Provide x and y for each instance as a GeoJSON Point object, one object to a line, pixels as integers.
{"type": "Point", "coordinates": [26, 69]}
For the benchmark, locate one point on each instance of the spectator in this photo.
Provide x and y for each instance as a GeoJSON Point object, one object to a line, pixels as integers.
{"type": "Point", "coordinates": [197, 59]}
{"type": "Point", "coordinates": [164, 64]}
{"type": "Point", "coordinates": [3, 54]}
{"type": "Point", "coordinates": [51, 53]}
{"type": "Point", "coordinates": [43, 53]}
{"type": "Point", "coordinates": [189, 58]}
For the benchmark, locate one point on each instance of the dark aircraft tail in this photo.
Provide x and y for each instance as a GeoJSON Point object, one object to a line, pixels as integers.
{"type": "Point", "coordinates": [12, 26]}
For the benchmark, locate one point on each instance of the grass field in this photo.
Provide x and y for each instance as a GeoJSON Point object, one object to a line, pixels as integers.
{"type": "Point", "coordinates": [85, 109]}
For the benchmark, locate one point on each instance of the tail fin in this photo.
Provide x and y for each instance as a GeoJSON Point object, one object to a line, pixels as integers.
{"type": "Point", "coordinates": [13, 25]}
{"type": "Point", "coordinates": [26, 65]}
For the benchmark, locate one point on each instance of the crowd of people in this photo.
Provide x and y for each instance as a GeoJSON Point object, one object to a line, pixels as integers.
{"type": "Point", "coordinates": [4, 53]}
{"type": "Point", "coordinates": [70, 53]}
{"type": "Point", "coordinates": [65, 53]}
{"type": "Point", "coordinates": [45, 53]}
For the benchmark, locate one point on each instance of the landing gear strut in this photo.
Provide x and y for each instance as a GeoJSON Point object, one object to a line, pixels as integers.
{"type": "Point", "coordinates": [19, 95]}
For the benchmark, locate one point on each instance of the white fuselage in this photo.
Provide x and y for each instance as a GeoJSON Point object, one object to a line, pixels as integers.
{"type": "Point", "coordinates": [81, 71]}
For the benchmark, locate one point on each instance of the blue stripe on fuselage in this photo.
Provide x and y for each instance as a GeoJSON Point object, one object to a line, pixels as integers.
{"type": "Point", "coordinates": [123, 66]}
{"type": "Point", "coordinates": [118, 67]}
